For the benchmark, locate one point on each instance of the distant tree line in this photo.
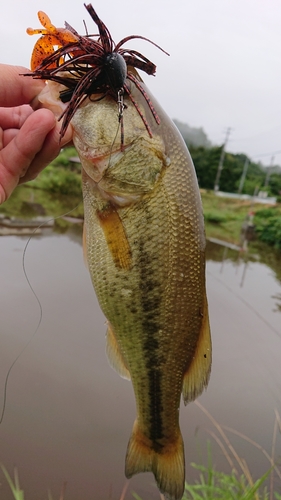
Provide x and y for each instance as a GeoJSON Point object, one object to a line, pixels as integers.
{"type": "Point", "coordinates": [206, 162]}
{"type": "Point", "coordinates": [206, 159]}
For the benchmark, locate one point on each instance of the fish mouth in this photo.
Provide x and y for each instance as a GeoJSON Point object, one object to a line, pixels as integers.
{"type": "Point", "coordinates": [95, 164]}
{"type": "Point", "coordinates": [117, 198]}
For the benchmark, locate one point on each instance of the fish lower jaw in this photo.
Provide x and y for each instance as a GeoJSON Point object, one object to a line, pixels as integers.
{"type": "Point", "coordinates": [117, 199]}
{"type": "Point", "coordinates": [95, 166]}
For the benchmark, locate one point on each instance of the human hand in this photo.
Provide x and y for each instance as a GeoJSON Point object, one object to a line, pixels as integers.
{"type": "Point", "coordinates": [29, 140]}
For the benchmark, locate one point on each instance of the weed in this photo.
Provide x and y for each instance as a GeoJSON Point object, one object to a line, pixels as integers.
{"type": "Point", "coordinates": [15, 486]}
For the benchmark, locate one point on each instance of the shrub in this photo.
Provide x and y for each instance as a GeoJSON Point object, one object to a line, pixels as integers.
{"type": "Point", "coordinates": [59, 180]}
{"type": "Point", "coordinates": [268, 226]}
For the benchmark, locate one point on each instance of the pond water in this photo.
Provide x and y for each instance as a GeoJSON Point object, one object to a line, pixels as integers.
{"type": "Point", "coordinates": [69, 416]}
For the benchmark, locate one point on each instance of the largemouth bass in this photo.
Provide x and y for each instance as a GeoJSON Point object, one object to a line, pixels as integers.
{"type": "Point", "coordinates": [144, 243]}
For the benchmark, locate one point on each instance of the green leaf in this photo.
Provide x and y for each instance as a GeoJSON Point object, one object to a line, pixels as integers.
{"type": "Point", "coordinates": [15, 487]}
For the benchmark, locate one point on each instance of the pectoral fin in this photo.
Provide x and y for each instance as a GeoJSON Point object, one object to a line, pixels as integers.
{"type": "Point", "coordinates": [197, 376]}
{"type": "Point", "coordinates": [115, 236]}
{"type": "Point", "coordinates": [114, 354]}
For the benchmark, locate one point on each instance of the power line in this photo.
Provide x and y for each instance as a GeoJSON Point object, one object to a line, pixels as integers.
{"type": "Point", "coordinates": [258, 134]}
{"type": "Point", "coordinates": [268, 154]}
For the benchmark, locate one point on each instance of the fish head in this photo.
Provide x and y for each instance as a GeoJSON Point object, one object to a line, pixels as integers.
{"type": "Point", "coordinates": [122, 171]}
{"type": "Point", "coordinates": [121, 161]}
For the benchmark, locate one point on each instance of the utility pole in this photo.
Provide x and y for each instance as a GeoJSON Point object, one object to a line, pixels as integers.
{"type": "Point", "coordinates": [268, 172]}
{"type": "Point", "coordinates": [220, 167]}
{"type": "Point", "coordinates": [243, 176]}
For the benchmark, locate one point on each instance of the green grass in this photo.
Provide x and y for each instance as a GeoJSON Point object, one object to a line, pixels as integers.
{"type": "Point", "coordinates": [17, 492]}
{"type": "Point", "coordinates": [26, 202]}
{"type": "Point", "coordinates": [57, 179]}
{"type": "Point", "coordinates": [224, 218]}
{"type": "Point", "coordinates": [62, 176]}
{"type": "Point", "coordinates": [14, 485]}
{"type": "Point", "coordinates": [218, 485]}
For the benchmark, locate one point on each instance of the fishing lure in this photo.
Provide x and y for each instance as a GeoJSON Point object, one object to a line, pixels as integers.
{"type": "Point", "coordinates": [89, 66]}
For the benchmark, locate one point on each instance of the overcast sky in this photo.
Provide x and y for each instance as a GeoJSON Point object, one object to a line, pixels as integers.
{"type": "Point", "coordinates": [224, 68]}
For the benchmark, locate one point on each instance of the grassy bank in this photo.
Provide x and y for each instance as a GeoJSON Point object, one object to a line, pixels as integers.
{"type": "Point", "coordinates": [62, 176]}
{"type": "Point", "coordinates": [224, 218]}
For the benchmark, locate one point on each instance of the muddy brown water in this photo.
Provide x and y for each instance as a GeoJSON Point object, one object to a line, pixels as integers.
{"type": "Point", "coordinates": [69, 415]}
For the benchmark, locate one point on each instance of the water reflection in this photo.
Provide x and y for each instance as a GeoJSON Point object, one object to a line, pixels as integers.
{"type": "Point", "coordinates": [69, 416]}
{"type": "Point", "coordinates": [242, 260]}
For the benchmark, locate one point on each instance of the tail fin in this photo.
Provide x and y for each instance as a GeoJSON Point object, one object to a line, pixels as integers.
{"type": "Point", "coordinates": [166, 464]}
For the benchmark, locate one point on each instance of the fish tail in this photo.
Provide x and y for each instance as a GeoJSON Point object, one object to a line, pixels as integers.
{"type": "Point", "coordinates": [167, 463]}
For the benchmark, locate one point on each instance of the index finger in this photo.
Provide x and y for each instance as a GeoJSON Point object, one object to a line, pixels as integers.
{"type": "Point", "coordinates": [15, 88]}
{"type": "Point", "coordinates": [14, 117]}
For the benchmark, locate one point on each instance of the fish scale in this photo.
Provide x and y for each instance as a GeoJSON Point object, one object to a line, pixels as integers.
{"type": "Point", "coordinates": [155, 299]}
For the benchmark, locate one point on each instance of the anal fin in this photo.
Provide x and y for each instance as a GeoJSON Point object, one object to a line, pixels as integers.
{"type": "Point", "coordinates": [114, 355]}
{"type": "Point", "coordinates": [197, 376]}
